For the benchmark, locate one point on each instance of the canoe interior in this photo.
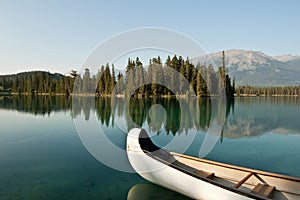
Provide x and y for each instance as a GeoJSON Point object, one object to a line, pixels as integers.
{"type": "Point", "coordinates": [248, 182]}
{"type": "Point", "coordinates": [285, 187]}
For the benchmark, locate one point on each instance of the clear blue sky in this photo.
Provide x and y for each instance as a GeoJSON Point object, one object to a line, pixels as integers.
{"type": "Point", "coordinates": [57, 35]}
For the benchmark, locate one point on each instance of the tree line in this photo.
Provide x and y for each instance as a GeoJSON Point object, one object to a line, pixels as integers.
{"type": "Point", "coordinates": [202, 78]}
{"type": "Point", "coordinates": [37, 82]}
{"type": "Point", "coordinates": [267, 91]}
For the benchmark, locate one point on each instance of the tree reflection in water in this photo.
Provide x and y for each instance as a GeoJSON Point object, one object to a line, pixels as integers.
{"type": "Point", "coordinates": [244, 117]}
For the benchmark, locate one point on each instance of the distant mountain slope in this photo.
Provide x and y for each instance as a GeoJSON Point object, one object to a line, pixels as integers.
{"type": "Point", "coordinates": [294, 64]}
{"type": "Point", "coordinates": [256, 68]}
{"type": "Point", "coordinates": [286, 57]}
{"type": "Point", "coordinates": [24, 74]}
{"type": "Point", "coordinates": [31, 81]}
{"type": "Point", "coordinates": [292, 61]}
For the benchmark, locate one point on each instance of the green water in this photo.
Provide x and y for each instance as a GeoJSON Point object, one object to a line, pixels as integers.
{"type": "Point", "coordinates": [42, 156]}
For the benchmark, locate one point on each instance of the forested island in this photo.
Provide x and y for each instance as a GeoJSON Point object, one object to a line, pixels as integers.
{"type": "Point", "coordinates": [203, 79]}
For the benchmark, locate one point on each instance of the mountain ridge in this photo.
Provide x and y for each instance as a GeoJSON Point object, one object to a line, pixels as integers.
{"type": "Point", "coordinates": [287, 57]}
{"type": "Point", "coordinates": [255, 68]}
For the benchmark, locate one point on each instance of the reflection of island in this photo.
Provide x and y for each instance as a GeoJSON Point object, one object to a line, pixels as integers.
{"type": "Point", "coordinates": [186, 117]}
{"type": "Point", "coordinates": [245, 117]}
{"type": "Point", "coordinates": [148, 191]}
{"type": "Point", "coordinates": [136, 112]}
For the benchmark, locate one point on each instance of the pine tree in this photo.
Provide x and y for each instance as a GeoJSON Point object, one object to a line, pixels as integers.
{"type": "Point", "coordinates": [201, 89]}
{"type": "Point", "coordinates": [29, 84]}
{"type": "Point", "coordinates": [174, 75]}
{"type": "Point", "coordinates": [107, 80]}
{"type": "Point", "coordinates": [101, 84]}
{"type": "Point", "coordinates": [182, 71]}
{"type": "Point", "coordinates": [140, 79]}
{"type": "Point", "coordinates": [120, 84]}
{"type": "Point", "coordinates": [113, 79]}
{"type": "Point", "coordinates": [130, 68]}
{"type": "Point", "coordinates": [167, 75]}
{"type": "Point", "coordinates": [34, 83]}
{"type": "Point", "coordinates": [86, 87]}
{"type": "Point", "coordinates": [15, 84]}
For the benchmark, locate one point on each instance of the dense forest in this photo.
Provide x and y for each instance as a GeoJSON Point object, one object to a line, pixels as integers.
{"type": "Point", "coordinates": [267, 91]}
{"type": "Point", "coordinates": [203, 79]}
{"type": "Point", "coordinates": [36, 82]}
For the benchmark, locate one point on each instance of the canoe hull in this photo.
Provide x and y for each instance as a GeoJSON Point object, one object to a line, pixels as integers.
{"type": "Point", "coordinates": [178, 181]}
{"type": "Point", "coordinates": [204, 179]}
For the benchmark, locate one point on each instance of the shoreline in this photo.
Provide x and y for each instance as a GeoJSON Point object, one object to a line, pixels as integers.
{"type": "Point", "coordinates": [137, 96]}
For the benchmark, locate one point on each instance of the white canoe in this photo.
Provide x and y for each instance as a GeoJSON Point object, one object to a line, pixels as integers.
{"type": "Point", "coordinates": [204, 179]}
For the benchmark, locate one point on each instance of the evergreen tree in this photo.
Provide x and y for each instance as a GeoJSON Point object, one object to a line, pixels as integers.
{"type": "Point", "coordinates": [167, 75]}
{"type": "Point", "coordinates": [113, 79]}
{"type": "Point", "coordinates": [29, 84]}
{"type": "Point", "coordinates": [212, 81]}
{"type": "Point", "coordinates": [140, 79]}
{"type": "Point", "coordinates": [121, 86]}
{"type": "Point", "coordinates": [130, 68]}
{"type": "Point", "coordinates": [107, 80]}
{"type": "Point", "coordinates": [201, 88]}
{"type": "Point", "coordinates": [101, 84]}
{"type": "Point", "coordinates": [182, 70]}
{"type": "Point", "coordinates": [86, 88]}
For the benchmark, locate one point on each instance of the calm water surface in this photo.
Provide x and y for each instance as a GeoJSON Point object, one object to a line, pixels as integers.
{"type": "Point", "coordinates": [42, 157]}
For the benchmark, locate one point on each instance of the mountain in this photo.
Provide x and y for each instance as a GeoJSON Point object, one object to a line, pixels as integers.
{"type": "Point", "coordinates": [255, 68]}
{"type": "Point", "coordinates": [292, 61]}
{"type": "Point", "coordinates": [286, 57]}
{"type": "Point", "coordinates": [294, 64]}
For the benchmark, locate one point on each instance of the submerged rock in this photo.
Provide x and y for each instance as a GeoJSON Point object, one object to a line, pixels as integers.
{"type": "Point", "coordinates": [89, 184]}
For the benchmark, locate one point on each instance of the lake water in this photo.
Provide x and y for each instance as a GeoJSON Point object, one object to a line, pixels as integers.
{"type": "Point", "coordinates": [43, 157]}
